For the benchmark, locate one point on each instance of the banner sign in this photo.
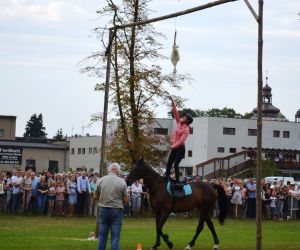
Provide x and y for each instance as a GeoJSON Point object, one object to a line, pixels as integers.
{"type": "Point", "coordinates": [10, 155]}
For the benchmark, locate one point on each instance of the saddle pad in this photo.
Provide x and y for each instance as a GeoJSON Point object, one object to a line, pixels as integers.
{"type": "Point", "coordinates": [186, 190]}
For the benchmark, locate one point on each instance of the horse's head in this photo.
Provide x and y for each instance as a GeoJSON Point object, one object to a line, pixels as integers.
{"type": "Point", "coordinates": [136, 172]}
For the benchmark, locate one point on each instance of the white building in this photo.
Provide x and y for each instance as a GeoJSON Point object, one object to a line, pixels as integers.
{"type": "Point", "coordinates": [85, 152]}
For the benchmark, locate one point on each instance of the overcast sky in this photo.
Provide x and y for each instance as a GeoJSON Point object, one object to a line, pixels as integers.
{"type": "Point", "coordinates": [43, 40]}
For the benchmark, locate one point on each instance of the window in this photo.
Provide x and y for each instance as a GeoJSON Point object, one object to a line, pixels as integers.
{"type": "Point", "coordinates": [161, 131]}
{"type": "Point", "coordinates": [79, 151]}
{"type": "Point", "coordinates": [191, 130]}
{"type": "Point", "coordinates": [221, 150]}
{"type": "Point", "coordinates": [189, 171]}
{"type": "Point", "coordinates": [95, 151]}
{"type": "Point", "coordinates": [72, 151]}
{"type": "Point", "coordinates": [53, 166]}
{"type": "Point", "coordinates": [276, 133]}
{"type": "Point", "coordinates": [190, 153]}
{"type": "Point", "coordinates": [30, 163]}
{"type": "Point", "coordinates": [83, 151]}
{"type": "Point", "coordinates": [232, 150]}
{"type": "Point", "coordinates": [90, 151]}
{"type": "Point", "coordinates": [1, 132]}
{"type": "Point", "coordinates": [252, 132]}
{"type": "Point", "coordinates": [286, 134]}
{"type": "Point", "coordinates": [228, 131]}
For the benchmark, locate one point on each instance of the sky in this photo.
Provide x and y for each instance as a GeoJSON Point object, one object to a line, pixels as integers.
{"type": "Point", "coordinates": [42, 42]}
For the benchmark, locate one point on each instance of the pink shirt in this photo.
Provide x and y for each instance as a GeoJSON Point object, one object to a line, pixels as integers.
{"type": "Point", "coordinates": [60, 193]}
{"type": "Point", "coordinates": [181, 132]}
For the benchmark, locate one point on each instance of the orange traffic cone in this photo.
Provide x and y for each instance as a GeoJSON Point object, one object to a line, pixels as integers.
{"type": "Point", "coordinates": [139, 246]}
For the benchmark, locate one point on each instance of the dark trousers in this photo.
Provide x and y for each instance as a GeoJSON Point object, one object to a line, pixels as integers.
{"type": "Point", "coordinates": [16, 202]}
{"type": "Point", "coordinates": [251, 208]}
{"type": "Point", "coordinates": [175, 157]}
{"type": "Point", "coordinates": [82, 200]}
{"type": "Point", "coordinates": [33, 205]}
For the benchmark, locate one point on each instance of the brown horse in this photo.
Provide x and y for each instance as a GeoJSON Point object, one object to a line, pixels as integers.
{"type": "Point", "coordinates": [204, 197]}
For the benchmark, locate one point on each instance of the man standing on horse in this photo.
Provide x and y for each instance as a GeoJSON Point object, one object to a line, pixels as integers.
{"type": "Point", "coordinates": [178, 139]}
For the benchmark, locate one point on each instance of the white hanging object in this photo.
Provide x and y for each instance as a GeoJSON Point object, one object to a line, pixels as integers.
{"type": "Point", "coordinates": [175, 54]}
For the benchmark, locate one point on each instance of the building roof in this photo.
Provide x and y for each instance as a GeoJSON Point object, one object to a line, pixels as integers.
{"type": "Point", "coordinates": [8, 117]}
{"type": "Point", "coordinates": [33, 145]}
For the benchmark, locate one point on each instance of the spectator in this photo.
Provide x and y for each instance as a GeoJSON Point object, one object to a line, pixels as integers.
{"type": "Point", "coordinates": [17, 192]}
{"type": "Point", "coordinates": [2, 192]}
{"type": "Point", "coordinates": [273, 199]}
{"type": "Point", "coordinates": [236, 199]}
{"type": "Point", "coordinates": [26, 186]}
{"type": "Point", "coordinates": [34, 193]}
{"type": "Point", "coordinates": [51, 197]}
{"type": "Point", "coordinates": [112, 193]}
{"type": "Point", "coordinates": [42, 189]}
{"type": "Point", "coordinates": [60, 191]}
{"type": "Point", "coordinates": [136, 192]}
{"type": "Point", "coordinates": [83, 188]}
{"type": "Point", "coordinates": [251, 206]}
{"type": "Point", "coordinates": [71, 190]}
{"type": "Point", "coordinates": [92, 201]}
{"type": "Point", "coordinates": [8, 189]}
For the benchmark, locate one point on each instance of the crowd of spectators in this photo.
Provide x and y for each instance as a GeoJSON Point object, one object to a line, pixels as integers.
{"type": "Point", "coordinates": [280, 200]}
{"type": "Point", "coordinates": [72, 193]}
{"type": "Point", "coordinates": [61, 194]}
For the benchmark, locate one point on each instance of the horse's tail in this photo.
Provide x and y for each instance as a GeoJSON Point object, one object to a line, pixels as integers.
{"type": "Point", "coordinates": [222, 202]}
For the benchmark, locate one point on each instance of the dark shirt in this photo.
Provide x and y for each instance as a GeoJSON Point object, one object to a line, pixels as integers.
{"type": "Point", "coordinates": [42, 186]}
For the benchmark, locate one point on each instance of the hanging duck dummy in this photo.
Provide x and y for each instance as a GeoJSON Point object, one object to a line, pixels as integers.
{"type": "Point", "coordinates": [175, 54]}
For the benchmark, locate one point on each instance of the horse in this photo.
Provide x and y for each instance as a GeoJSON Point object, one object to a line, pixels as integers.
{"type": "Point", "coordinates": [204, 197]}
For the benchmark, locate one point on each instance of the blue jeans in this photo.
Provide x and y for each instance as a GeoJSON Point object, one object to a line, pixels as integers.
{"type": "Point", "coordinates": [42, 198]}
{"type": "Point", "coordinates": [110, 219]}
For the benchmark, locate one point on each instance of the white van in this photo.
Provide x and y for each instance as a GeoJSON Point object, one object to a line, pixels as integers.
{"type": "Point", "coordinates": [272, 179]}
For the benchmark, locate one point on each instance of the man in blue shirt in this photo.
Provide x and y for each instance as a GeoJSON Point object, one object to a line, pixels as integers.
{"type": "Point", "coordinates": [33, 200]}
{"type": "Point", "coordinates": [83, 189]}
{"type": "Point", "coordinates": [251, 207]}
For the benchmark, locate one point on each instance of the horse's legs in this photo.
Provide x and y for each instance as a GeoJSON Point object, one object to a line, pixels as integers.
{"type": "Point", "coordinates": [163, 219]}
{"type": "Point", "coordinates": [198, 231]}
{"type": "Point", "coordinates": [214, 234]}
{"type": "Point", "coordinates": [157, 219]}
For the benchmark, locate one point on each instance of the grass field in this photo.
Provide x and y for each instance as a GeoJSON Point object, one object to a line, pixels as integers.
{"type": "Point", "coordinates": [43, 233]}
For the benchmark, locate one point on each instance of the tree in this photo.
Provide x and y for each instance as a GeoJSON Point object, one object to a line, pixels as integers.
{"type": "Point", "coordinates": [248, 115]}
{"type": "Point", "coordinates": [59, 135]}
{"type": "Point", "coordinates": [137, 83]}
{"type": "Point", "coordinates": [34, 127]}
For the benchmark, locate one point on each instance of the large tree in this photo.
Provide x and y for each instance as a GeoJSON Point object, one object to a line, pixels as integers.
{"type": "Point", "coordinates": [35, 128]}
{"type": "Point", "coordinates": [137, 82]}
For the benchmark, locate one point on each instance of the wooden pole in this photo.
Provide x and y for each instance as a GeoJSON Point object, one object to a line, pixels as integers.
{"type": "Point", "coordinates": [104, 124]}
{"type": "Point", "coordinates": [259, 128]}
{"type": "Point", "coordinates": [105, 108]}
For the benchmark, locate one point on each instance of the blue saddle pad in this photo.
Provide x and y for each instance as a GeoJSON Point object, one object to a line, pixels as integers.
{"type": "Point", "coordinates": [185, 191]}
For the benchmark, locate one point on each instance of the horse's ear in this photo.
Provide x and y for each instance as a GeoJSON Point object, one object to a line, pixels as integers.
{"type": "Point", "coordinates": [142, 159]}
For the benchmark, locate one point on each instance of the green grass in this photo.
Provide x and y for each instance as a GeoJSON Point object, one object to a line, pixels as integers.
{"type": "Point", "coordinates": [44, 233]}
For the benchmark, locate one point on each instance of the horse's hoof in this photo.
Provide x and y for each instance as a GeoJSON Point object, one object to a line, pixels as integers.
{"type": "Point", "coordinates": [170, 245]}
{"type": "Point", "coordinates": [188, 247]}
{"type": "Point", "coordinates": [216, 247]}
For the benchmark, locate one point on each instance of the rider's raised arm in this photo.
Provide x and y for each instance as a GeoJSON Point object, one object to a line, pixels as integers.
{"type": "Point", "coordinates": [175, 112]}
